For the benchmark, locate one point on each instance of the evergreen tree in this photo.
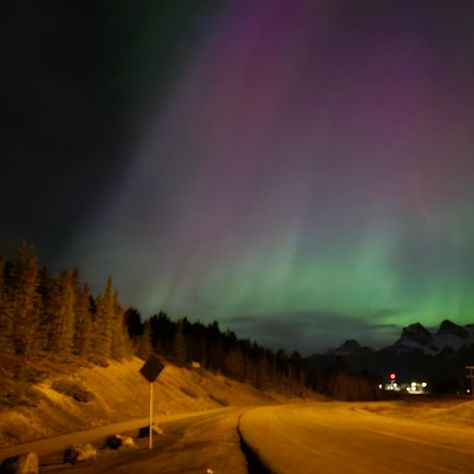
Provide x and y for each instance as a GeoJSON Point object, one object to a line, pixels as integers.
{"type": "Point", "coordinates": [234, 363]}
{"type": "Point", "coordinates": [23, 302]}
{"type": "Point", "coordinates": [83, 322]}
{"type": "Point", "coordinates": [103, 321]}
{"type": "Point", "coordinates": [214, 347]}
{"type": "Point", "coordinates": [179, 345]}
{"type": "Point", "coordinates": [295, 364]}
{"type": "Point", "coordinates": [144, 342]}
{"type": "Point", "coordinates": [162, 333]}
{"type": "Point", "coordinates": [45, 289]}
{"type": "Point", "coordinates": [120, 340]}
{"type": "Point", "coordinates": [133, 321]}
{"type": "Point", "coordinates": [62, 313]}
{"type": "Point", "coordinates": [261, 372]}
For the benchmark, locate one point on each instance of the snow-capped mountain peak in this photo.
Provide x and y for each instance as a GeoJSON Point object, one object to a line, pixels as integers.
{"type": "Point", "coordinates": [449, 335]}
{"type": "Point", "coordinates": [416, 337]}
{"type": "Point", "coordinates": [447, 327]}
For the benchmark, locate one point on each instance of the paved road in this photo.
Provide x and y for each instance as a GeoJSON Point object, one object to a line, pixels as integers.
{"type": "Point", "coordinates": [190, 446]}
{"type": "Point", "coordinates": [326, 437]}
{"type": "Point", "coordinates": [192, 443]}
{"type": "Point", "coordinates": [336, 437]}
{"type": "Point", "coordinates": [94, 435]}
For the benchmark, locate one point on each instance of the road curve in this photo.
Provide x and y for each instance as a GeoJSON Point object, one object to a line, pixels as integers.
{"type": "Point", "coordinates": [192, 443]}
{"type": "Point", "coordinates": [338, 437]}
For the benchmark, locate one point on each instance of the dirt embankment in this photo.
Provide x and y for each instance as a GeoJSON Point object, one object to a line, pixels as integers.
{"type": "Point", "coordinates": [100, 395]}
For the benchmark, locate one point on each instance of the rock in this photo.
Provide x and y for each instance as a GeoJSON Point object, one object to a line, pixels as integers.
{"type": "Point", "coordinates": [80, 453]}
{"type": "Point", "coordinates": [157, 429]}
{"type": "Point", "coordinates": [24, 464]}
{"type": "Point", "coordinates": [87, 452]}
{"type": "Point", "coordinates": [118, 441]}
{"type": "Point", "coordinates": [127, 442]}
{"type": "Point", "coordinates": [27, 464]}
{"type": "Point", "coordinates": [143, 432]}
{"type": "Point", "coordinates": [114, 441]}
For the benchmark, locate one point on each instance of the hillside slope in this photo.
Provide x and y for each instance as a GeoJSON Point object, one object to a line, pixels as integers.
{"type": "Point", "coordinates": [118, 392]}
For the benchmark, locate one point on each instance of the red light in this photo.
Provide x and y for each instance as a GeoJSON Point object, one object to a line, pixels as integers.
{"type": "Point", "coordinates": [392, 376]}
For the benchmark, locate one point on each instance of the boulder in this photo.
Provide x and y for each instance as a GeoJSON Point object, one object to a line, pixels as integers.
{"type": "Point", "coordinates": [127, 442]}
{"type": "Point", "coordinates": [80, 453]}
{"type": "Point", "coordinates": [143, 432]}
{"type": "Point", "coordinates": [157, 429]}
{"type": "Point", "coordinates": [114, 441]}
{"type": "Point", "coordinates": [24, 464]}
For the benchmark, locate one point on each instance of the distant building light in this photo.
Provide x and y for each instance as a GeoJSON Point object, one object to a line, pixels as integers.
{"type": "Point", "coordinates": [380, 386]}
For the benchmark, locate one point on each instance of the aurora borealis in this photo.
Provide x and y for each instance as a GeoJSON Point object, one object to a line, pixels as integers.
{"type": "Point", "coordinates": [306, 178]}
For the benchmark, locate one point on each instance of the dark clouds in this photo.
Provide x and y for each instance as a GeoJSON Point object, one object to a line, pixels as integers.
{"type": "Point", "coordinates": [315, 331]}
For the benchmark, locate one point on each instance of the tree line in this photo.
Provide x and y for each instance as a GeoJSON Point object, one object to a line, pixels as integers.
{"type": "Point", "coordinates": [220, 351]}
{"type": "Point", "coordinates": [41, 314]}
{"type": "Point", "coordinates": [242, 359]}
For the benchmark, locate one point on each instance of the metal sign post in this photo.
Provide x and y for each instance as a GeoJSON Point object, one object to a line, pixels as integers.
{"type": "Point", "coordinates": [150, 428]}
{"type": "Point", "coordinates": [150, 370]}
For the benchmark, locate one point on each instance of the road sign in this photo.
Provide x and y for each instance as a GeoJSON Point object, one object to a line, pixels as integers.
{"type": "Point", "coordinates": [152, 368]}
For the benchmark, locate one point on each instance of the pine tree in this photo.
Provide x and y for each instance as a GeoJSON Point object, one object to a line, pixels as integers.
{"type": "Point", "coordinates": [62, 314]}
{"type": "Point", "coordinates": [83, 338]}
{"type": "Point", "coordinates": [233, 363]}
{"type": "Point", "coordinates": [133, 321]}
{"type": "Point", "coordinates": [179, 344]}
{"type": "Point", "coordinates": [145, 347]}
{"type": "Point", "coordinates": [214, 347]}
{"type": "Point", "coordinates": [24, 302]}
{"type": "Point", "coordinates": [104, 320]}
{"type": "Point", "coordinates": [120, 341]}
{"type": "Point", "coordinates": [45, 290]}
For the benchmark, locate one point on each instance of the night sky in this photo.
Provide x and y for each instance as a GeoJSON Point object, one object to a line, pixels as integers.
{"type": "Point", "coordinates": [302, 171]}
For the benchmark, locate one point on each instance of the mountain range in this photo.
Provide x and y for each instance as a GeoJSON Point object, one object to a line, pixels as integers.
{"type": "Point", "coordinates": [438, 356]}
